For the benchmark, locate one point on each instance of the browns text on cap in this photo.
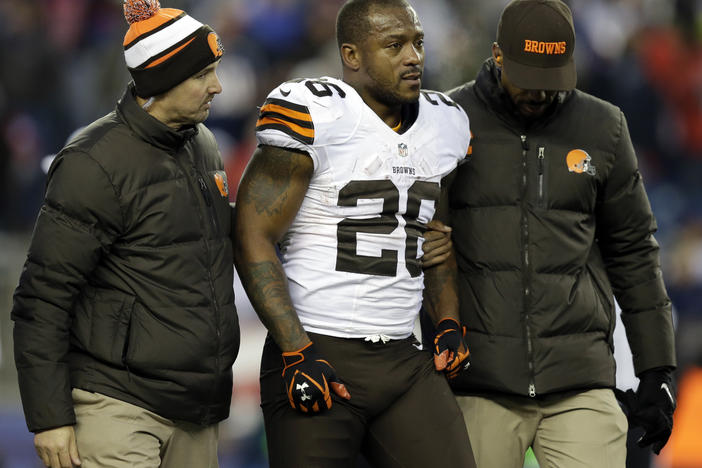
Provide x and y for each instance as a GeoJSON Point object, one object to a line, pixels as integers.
{"type": "Point", "coordinates": [165, 46]}
{"type": "Point", "coordinates": [537, 40]}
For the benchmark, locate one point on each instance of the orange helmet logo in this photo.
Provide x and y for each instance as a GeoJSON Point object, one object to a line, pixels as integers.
{"type": "Point", "coordinates": [579, 161]}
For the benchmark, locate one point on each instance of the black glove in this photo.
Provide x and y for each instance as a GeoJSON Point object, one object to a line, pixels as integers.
{"type": "Point", "coordinates": [448, 342]}
{"type": "Point", "coordinates": [308, 379]}
{"type": "Point", "coordinates": [651, 407]}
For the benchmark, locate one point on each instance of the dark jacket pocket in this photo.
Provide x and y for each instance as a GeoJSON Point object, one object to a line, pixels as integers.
{"type": "Point", "coordinates": [603, 289]}
{"type": "Point", "coordinates": [101, 323]}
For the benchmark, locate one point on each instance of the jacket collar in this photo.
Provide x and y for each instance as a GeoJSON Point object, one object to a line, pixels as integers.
{"type": "Point", "coordinates": [489, 89]}
{"type": "Point", "coordinates": [148, 128]}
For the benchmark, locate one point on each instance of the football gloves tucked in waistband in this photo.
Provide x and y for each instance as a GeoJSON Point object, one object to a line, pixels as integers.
{"type": "Point", "coordinates": [309, 379]}
{"type": "Point", "coordinates": [450, 350]}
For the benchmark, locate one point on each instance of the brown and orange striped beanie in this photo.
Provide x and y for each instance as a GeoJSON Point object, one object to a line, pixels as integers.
{"type": "Point", "coordinates": [165, 46]}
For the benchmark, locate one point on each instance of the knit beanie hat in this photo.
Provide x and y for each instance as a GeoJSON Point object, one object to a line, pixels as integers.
{"type": "Point", "coordinates": [164, 46]}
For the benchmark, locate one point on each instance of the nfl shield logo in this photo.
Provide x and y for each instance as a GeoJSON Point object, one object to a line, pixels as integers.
{"type": "Point", "coordinates": [402, 150]}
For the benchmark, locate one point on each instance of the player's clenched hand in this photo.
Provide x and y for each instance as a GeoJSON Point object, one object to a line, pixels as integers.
{"type": "Point", "coordinates": [450, 350]}
{"type": "Point", "coordinates": [57, 447]}
{"type": "Point", "coordinates": [308, 380]}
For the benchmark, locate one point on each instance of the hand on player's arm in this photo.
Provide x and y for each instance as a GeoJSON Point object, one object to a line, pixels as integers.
{"type": "Point", "coordinates": [437, 244]}
{"type": "Point", "coordinates": [57, 447]}
{"type": "Point", "coordinates": [269, 197]}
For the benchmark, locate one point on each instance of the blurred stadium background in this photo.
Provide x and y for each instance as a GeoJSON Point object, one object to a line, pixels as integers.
{"type": "Point", "coordinates": [62, 66]}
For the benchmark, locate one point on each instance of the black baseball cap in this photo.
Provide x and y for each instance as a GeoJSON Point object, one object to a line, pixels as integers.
{"type": "Point", "coordinates": [537, 39]}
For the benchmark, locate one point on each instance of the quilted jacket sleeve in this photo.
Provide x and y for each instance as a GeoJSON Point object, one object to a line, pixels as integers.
{"type": "Point", "coordinates": [78, 221]}
{"type": "Point", "coordinates": [626, 226]}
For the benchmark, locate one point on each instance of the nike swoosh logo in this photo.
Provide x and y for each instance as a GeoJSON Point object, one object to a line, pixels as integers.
{"type": "Point", "coordinates": [284, 93]}
{"type": "Point", "coordinates": [666, 389]}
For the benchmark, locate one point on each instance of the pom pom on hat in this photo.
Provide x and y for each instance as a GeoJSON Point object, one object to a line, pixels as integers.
{"type": "Point", "coordinates": [165, 46]}
{"type": "Point", "coordinates": [140, 10]}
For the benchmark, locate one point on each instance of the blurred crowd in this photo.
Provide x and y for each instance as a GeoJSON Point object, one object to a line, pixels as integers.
{"type": "Point", "coordinates": [62, 66]}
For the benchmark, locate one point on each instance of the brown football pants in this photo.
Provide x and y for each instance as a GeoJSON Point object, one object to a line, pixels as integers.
{"type": "Point", "coordinates": [401, 412]}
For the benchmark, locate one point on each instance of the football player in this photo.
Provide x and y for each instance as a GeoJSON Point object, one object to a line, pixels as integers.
{"type": "Point", "coordinates": [331, 213]}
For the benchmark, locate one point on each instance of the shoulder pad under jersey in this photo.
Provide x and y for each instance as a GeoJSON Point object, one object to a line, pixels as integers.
{"type": "Point", "coordinates": [308, 112]}
{"type": "Point", "coordinates": [449, 113]}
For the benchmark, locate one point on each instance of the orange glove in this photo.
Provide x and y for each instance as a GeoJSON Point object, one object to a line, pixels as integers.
{"type": "Point", "coordinates": [450, 350]}
{"type": "Point", "coordinates": [308, 380]}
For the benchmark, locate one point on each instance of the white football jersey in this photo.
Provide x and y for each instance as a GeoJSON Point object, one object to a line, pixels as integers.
{"type": "Point", "coordinates": [352, 253]}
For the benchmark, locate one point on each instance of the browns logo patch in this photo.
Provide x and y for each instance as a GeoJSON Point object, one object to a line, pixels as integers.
{"type": "Point", "coordinates": [580, 162]}
{"type": "Point", "coordinates": [220, 178]}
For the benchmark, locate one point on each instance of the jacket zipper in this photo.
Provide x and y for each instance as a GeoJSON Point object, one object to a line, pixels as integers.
{"type": "Point", "coordinates": [125, 349]}
{"type": "Point", "coordinates": [525, 243]}
{"type": "Point", "coordinates": [210, 208]}
{"type": "Point", "coordinates": [208, 201]}
{"type": "Point", "coordinates": [541, 175]}
{"type": "Point", "coordinates": [213, 218]}
{"type": "Point", "coordinates": [207, 195]}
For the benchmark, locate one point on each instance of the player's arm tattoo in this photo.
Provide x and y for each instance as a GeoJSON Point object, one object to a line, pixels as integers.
{"type": "Point", "coordinates": [272, 171]}
{"type": "Point", "coordinates": [270, 296]}
{"type": "Point", "coordinates": [269, 197]}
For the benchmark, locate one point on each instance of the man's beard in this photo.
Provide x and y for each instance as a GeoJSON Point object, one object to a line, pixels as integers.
{"type": "Point", "coordinates": [387, 95]}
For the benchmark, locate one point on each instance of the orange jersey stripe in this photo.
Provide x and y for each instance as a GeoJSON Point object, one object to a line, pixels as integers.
{"type": "Point", "coordinates": [168, 55]}
{"type": "Point", "coordinates": [287, 112]}
{"type": "Point", "coordinates": [163, 16]}
{"type": "Point", "coordinates": [306, 132]}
